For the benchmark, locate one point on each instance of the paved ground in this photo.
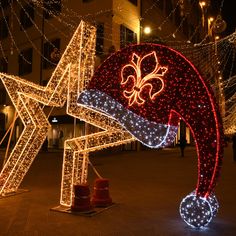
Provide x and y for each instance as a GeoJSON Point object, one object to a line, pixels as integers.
{"type": "Point", "coordinates": [147, 187]}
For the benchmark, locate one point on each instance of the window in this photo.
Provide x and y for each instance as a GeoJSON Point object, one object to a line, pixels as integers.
{"type": "Point", "coordinates": [3, 65]}
{"type": "Point", "coordinates": [52, 8]}
{"type": "Point", "coordinates": [5, 3]}
{"type": "Point", "coordinates": [100, 39]}
{"type": "Point", "coordinates": [25, 61]}
{"type": "Point", "coordinates": [191, 30]}
{"type": "Point", "coordinates": [135, 2]}
{"type": "Point", "coordinates": [4, 27]}
{"type": "Point", "coordinates": [169, 7]}
{"type": "Point", "coordinates": [160, 4]}
{"type": "Point", "coordinates": [196, 37]}
{"type": "Point", "coordinates": [2, 96]}
{"type": "Point", "coordinates": [2, 126]}
{"type": "Point", "coordinates": [127, 36]}
{"type": "Point", "coordinates": [185, 27]}
{"type": "Point", "coordinates": [26, 16]}
{"type": "Point", "coordinates": [45, 82]}
{"type": "Point", "coordinates": [178, 16]}
{"type": "Point", "coordinates": [51, 52]}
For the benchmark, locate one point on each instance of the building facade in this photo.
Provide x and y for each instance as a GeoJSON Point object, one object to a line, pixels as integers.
{"type": "Point", "coordinates": [33, 35]}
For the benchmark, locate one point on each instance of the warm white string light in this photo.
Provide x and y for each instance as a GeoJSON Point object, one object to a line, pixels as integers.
{"type": "Point", "coordinates": [28, 36]}
{"type": "Point", "coordinates": [66, 16]}
{"type": "Point", "coordinates": [220, 66]}
{"type": "Point", "coordinates": [204, 209]}
{"type": "Point", "coordinates": [11, 35]}
{"type": "Point", "coordinates": [72, 74]}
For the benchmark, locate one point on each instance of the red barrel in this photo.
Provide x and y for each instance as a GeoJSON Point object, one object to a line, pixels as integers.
{"type": "Point", "coordinates": [101, 196]}
{"type": "Point", "coordinates": [81, 200]}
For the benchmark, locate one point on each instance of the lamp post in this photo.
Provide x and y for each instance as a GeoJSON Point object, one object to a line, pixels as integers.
{"type": "Point", "coordinates": [145, 31]}
{"type": "Point", "coordinates": [204, 4]}
{"type": "Point", "coordinates": [210, 20]}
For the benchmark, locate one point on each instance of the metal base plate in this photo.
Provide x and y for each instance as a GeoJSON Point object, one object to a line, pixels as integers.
{"type": "Point", "coordinates": [19, 191]}
{"type": "Point", "coordinates": [90, 213]}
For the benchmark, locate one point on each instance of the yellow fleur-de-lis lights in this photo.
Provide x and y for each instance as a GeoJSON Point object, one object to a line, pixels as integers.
{"type": "Point", "coordinates": [139, 83]}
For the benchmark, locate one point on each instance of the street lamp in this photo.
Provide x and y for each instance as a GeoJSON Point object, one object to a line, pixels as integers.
{"type": "Point", "coordinates": [209, 25]}
{"type": "Point", "coordinates": [147, 30]}
{"type": "Point", "coordinates": [203, 5]}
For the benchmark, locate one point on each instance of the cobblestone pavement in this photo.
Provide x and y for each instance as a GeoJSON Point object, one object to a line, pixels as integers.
{"type": "Point", "coordinates": [147, 187]}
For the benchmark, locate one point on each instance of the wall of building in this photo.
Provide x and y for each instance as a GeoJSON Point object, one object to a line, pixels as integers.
{"type": "Point", "coordinates": [128, 14]}
{"type": "Point", "coordinates": [162, 25]}
{"type": "Point", "coordinates": [107, 13]}
{"type": "Point", "coordinates": [133, 15]}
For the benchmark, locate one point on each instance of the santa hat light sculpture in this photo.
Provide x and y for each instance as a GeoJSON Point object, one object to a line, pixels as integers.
{"type": "Point", "coordinates": [147, 88]}
{"type": "Point", "coordinates": [138, 93]}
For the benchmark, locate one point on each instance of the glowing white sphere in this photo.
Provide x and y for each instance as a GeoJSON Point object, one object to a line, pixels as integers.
{"type": "Point", "coordinates": [198, 211]}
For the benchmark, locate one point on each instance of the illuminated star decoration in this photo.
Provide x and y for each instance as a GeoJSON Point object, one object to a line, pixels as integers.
{"type": "Point", "coordinates": [26, 97]}
{"type": "Point", "coordinates": [70, 77]}
{"type": "Point", "coordinates": [35, 131]}
{"type": "Point", "coordinates": [154, 122]}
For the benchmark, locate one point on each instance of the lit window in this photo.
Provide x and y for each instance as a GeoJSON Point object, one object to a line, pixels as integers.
{"type": "Point", "coordinates": [127, 36]}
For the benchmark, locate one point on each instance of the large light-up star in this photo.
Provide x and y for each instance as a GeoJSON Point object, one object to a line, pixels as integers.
{"type": "Point", "coordinates": [70, 77]}
{"type": "Point", "coordinates": [27, 147]}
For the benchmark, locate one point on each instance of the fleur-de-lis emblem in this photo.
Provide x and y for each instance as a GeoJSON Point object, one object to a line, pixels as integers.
{"type": "Point", "coordinates": [136, 73]}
